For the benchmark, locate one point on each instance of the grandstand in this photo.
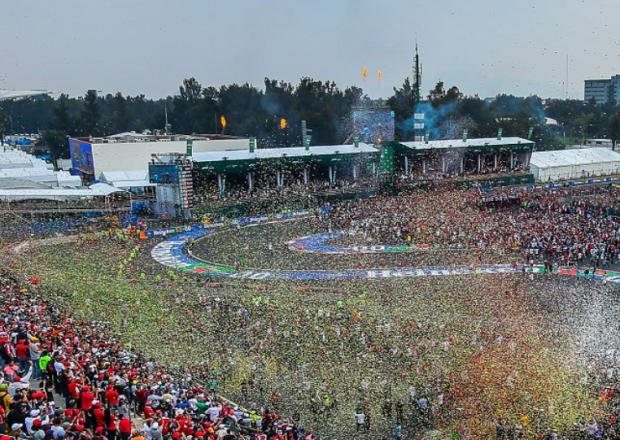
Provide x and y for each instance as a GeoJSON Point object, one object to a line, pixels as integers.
{"type": "Point", "coordinates": [34, 205]}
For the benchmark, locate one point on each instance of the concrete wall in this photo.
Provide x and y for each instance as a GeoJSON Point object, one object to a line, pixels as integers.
{"type": "Point", "coordinates": [131, 156]}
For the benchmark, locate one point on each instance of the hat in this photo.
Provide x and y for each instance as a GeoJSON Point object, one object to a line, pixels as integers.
{"type": "Point", "coordinates": [79, 428]}
{"type": "Point", "coordinates": [16, 426]}
{"type": "Point", "coordinates": [99, 429]}
{"type": "Point", "coordinates": [36, 422]}
{"type": "Point", "coordinates": [155, 425]}
{"type": "Point", "coordinates": [176, 435]}
{"type": "Point", "coordinates": [98, 405]}
{"type": "Point", "coordinates": [34, 413]}
{"type": "Point", "coordinates": [4, 387]}
{"type": "Point", "coordinates": [16, 379]}
{"type": "Point", "coordinates": [87, 388]}
{"type": "Point", "coordinates": [34, 339]}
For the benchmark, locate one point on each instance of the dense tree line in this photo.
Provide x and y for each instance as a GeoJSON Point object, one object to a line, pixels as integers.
{"type": "Point", "coordinates": [245, 110]}
{"type": "Point", "coordinates": [448, 113]}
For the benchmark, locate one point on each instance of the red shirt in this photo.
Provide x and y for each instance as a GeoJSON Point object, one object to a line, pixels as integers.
{"type": "Point", "coordinates": [142, 395]}
{"type": "Point", "coordinates": [125, 426]}
{"type": "Point", "coordinates": [99, 416]}
{"type": "Point", "coordinates": [148, 412]}
{"type": "Point", "coordinates": [87, 400]}
{"type": "Point", "coordinates": [111, 426]}
{"type": "Point", "coordinates": [112, 397]}
{"type": "Point", "coordinates": [74, 390]}
{"type": "Point", "coordinates": [23, 351]}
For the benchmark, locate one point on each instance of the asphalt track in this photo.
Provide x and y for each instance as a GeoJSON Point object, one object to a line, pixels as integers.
{"type": "Point", "coordinates": [170, 253]}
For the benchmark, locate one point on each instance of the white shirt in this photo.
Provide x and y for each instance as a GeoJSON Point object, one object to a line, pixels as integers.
{"type": "Point", "coordinates": [24, 382]}
{"type": "Point", "coordinates": [214, 413]}
{"type": "Point", "coordinates": [360, 418]}
{"type": "Point", "coordinates": [58, 366]}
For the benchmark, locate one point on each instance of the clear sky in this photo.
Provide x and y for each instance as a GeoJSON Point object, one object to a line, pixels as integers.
{"type": "Point", "coordinates": [484, 47]}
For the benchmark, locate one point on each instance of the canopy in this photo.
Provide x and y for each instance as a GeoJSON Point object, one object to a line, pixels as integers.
{"type": "Point", "coordinates": [242, 160]}
{"type": "Point", "coordinates": [574, 164]}
{"type": "Point", "coordinates": [96, 190]}
{"type": "Point", "coordinates": [14, 94]}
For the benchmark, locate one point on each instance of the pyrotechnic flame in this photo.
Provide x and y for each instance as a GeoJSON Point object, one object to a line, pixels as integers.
{"type": "Point", "coordinates": [364, 73]}
{"type": "Point", "coordinates": [283, 124]}
{"type": "Point", "coordinates": [223, 122]}
{"type": "Point", "coordinates": [379, 75]}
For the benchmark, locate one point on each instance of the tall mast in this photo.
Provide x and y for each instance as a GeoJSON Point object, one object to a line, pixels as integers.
{"type": "Point", "coordinates": [417, 75]}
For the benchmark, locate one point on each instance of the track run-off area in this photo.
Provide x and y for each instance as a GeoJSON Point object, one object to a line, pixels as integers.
{"type": "Point", "coordinates": [171, 254]}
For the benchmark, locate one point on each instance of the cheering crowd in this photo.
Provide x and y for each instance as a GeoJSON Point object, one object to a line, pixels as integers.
{"type": "Point", "coordinates": [64, 379]}
{"type": "Point", "coordinates": [386, 359]}
{"type": "Point", "coordinates": [442, 228]}
{"type": "Point", "coordinates": [546, 225]}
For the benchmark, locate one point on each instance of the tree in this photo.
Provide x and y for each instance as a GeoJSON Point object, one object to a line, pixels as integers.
{"type": "Point", "coordinates": [483, 116]}
{"type": "Point", "coordinates": [613, 129]}
{"type": "Point", "coordinates": [4, 119]}
{"type": "Point", "coordinates": [402, 102]}
{"type": "Point", "coordinates": [57, 143]}
{"type": "Point", "coordinates": [438, 95]}
{"type": "Point", "coordinates": [190, 90]}
{"type": "Point", "coordinates": [453, 94]}
{"type": "Point", "coordinates": [91, 115]}
{"type": "Point", "coordinates": [121, 119]}
{"type": "Point", "coordinates": [61, 120]}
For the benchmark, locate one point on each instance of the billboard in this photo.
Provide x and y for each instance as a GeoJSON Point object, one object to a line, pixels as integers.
{"type": "Point", "coordinates": [186, 190]}
{"type": "Point", "coordinates": [164, 174]}
{"type": "Point", "coordinates": [81, 157]}
{"type": "Point", "coordinates": [374, 125]}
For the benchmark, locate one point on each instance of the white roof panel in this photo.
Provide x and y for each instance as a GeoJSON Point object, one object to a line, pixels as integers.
{"type": "Point", "coordinates": [563, 158]}
{"type": "Point", "coordinates": [25, 172]}
{"type": "Point", "coordinates": [132, 183]}
{"type": "Point", "coordinates": [272, 153]}
{"type": "Point", "coordinates": [56, 193]}
{"type": "Point", "coordinates": [458, 143]}
{"type": "Point", "coordinates": [14, 94]}
{"type": "Point", "coordinates": [124, 176]}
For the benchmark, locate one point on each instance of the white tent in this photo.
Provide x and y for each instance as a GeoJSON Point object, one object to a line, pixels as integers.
{"type": "Point", "coordinates": [126, 179]}
{"type": "Point", "coordinates": [42, 175]}
{"type": "Point", "coordinates": [60, 194]}
{"type": "Point", "coordinates": [19, 159]}
{"type": "Point", "coordinates": [574, 164]}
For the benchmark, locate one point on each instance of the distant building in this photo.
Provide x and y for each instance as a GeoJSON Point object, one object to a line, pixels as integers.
{"type": "Point", "coordinates": [602, 90]}
{"type": "Point", "coordinates": [132, 151]}
{"type": "Point", "coordinates": [603, 143]}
